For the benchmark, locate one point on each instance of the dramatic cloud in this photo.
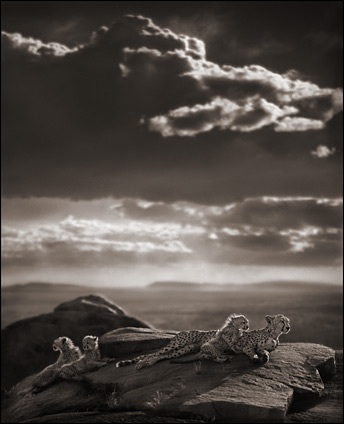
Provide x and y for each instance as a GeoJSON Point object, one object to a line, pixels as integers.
{"type": "Point", "coordinates": [298, 124]}
{"type": "Point", "coordinates": [76, 236]}
{"type": "Point", "coordinates": [253, 231]}
{"type": "Point", "coordinates": [256, 95]}
{"type": "Point", "coordinates": [17, 43]}
{"type": "Point", "coordinates": [240, 99]}
{"type": "Point", "coordinates": [219, 113]}
{"type": "Point", "coordinates": [323, 152]}
{"type": "Point", "coordinates": [114, 116]}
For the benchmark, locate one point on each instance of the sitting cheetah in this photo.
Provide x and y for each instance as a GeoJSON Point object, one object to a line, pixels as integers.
{"type": "Point", "coordinates": [68, 353]}
{"type": "Point", "coordinates": [217, 348]}
{"type": "Point", "coordinates": [89, 360]}
{"type": "Point", "coordinates": [186, 342]}
{"type": "Point", "coordinates": [258, 343]}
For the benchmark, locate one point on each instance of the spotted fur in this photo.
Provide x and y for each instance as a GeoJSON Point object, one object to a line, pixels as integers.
{"type": "Point", "coordinates": [257, 344]}
{"type": "Point", "coordinates": [189, 342]}
{"type": "Point", "coordinates": [89, 360]}
{"type": "Point", "coordinates": [217, 348]}
{"type": "Point", "coordinates": [68, 353]}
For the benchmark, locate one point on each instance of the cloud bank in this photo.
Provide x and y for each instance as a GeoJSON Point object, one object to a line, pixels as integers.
{"type": "Point", "coordinates": [110, 116]}
{"type": "Point", "coordinates": [258, 231]}
{"type": "Point", "coordinates": [233, 98]}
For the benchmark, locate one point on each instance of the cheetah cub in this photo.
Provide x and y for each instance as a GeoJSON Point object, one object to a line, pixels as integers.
{"type": "Point", "coordinates": [89, 360]}
{"type": "Point", "coordinates": [68, 353]}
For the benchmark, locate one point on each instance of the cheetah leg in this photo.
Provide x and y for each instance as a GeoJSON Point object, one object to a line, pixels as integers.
{"type": "Point", "coordinates": [175, 343]}
{"type": "Point", "coordinates": [66, 373]}
{"type": "Point", "coordinates": [149, 361]}
{"type": "Point", "coordinates": [220, 359]}
{"type": "Point", "coordinates": [211, 353]}
{"type": "Point", "coordinates": [251, 353]}
{"type": "Point", "coordinates": [109, 360]}
{"type": "Point", "coordinates": [263, 354]}
{"type": "Point", "coordinates": [216, 357]}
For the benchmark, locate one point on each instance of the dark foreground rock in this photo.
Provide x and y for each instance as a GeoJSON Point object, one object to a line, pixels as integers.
{"type": "Point", "coordinates": [238, 391]}
{"type": "Point", "coordinates": [111, 417]}
{"type": "Point", "coordinates": [26, 345]}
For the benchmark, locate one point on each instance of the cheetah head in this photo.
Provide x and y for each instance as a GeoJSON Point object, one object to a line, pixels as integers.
{"type": "Point", "coordinates": [61, 343]}
{"type": "Point", "coordinates": [240, 322]}
{"type": "Point", "coordinates": [279, 322]}
{"type": "Point", "coordinates": [90, 343]}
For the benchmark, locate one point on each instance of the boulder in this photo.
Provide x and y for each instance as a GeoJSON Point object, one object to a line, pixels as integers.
{"type": "Point", "coordinates": [237, 390]}
{"type": "Point", "coordinates": [27, 344]}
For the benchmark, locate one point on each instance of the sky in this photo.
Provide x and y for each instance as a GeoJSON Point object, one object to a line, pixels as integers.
{"type": "Point", "coordinates": [159, 141]}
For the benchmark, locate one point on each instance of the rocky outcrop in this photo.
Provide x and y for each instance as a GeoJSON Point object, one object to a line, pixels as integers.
{"type": "Point", "coordinates": [26, 345]}
{"type": "Point", "coordinates": [239, 390]}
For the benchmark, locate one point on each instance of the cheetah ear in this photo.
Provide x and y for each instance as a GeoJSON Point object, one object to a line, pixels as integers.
{"type": "Point", "coordinates": [269, 319]}
{"type": "Point", "coordinates": [64, 339]}
{"type": "Point", "coordinates": [94, 337]}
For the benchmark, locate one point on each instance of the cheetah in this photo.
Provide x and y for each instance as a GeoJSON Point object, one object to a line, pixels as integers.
{"type": "Point", "coordinates": [257, 344]}
{"type": "Point", "coordinates": [68, 353]}
{"type": "Point", "coordinates": [217, 348]}
{"type": "Point", "coordinates": [187, 342]}
{"type": "Point", "coordinates": [89, 360]}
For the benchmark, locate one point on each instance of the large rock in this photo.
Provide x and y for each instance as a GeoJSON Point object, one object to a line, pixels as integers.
{"type": "Point", "coordinates": [239, 390]}
{"type": "Point", "coordinates": [26, 345]}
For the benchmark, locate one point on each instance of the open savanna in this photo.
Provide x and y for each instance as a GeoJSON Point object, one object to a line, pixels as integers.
{"type": "Point", "coordinates": [315, 310]}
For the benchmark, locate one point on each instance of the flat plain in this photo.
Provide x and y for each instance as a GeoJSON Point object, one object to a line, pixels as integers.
{"type": "Point", "coordinates": [315, 310]}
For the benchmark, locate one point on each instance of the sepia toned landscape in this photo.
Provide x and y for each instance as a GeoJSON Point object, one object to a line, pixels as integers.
{"type": "Point", "coordinates": [170, 172]}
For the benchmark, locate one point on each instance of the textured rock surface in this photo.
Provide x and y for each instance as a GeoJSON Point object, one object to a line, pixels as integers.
{"type": "Point", "coordinates": [111, 417]}
{"type": "Point", "coordinates": [239, 390]}
{"type": "Point", "coordinates": [328, 411]}
{"type": "Point", "coordinates": [129, 341]}
{"type": "Point", "coordinates": [26, 344]}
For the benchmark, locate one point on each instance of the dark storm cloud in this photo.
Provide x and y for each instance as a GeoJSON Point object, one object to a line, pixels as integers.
{"type": "Point", "coordinates": [75, 120]}
{"type": "Point", "coordinates": [253, 92]}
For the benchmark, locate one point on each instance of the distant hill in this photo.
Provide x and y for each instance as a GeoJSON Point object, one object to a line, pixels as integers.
{"type": "Point", "coordinates": [173, 285]}
{"type": "Point", "coordinates": [267, 285]}
{"type": "Point", "coordinates": [168, 285]}
{"type": "Point", "coordinates": [39, 286]}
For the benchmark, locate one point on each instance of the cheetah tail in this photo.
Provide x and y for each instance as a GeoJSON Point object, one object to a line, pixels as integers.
{"type": "Point", "coordinates": [125, 363]}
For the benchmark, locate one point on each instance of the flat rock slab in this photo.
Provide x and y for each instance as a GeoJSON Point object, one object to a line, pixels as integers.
{"type": "Point", "coordinates": [239, 390]}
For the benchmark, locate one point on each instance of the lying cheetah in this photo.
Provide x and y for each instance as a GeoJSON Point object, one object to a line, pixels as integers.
{"type": "Point", "coordinates": [89, 360]}
{"type": "Point", "coordinates": [216, 349]}
{"type": "Point", "coordinates": [187, 342]}
{"type": "Point", "coordinates": [68, 353]}
{"type": "Point", "coordinates": [257, 344]}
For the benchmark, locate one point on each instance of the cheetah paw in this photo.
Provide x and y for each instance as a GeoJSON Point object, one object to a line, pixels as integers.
{"type": "Point", "coordinates": [255, 359]}
{"type": "Point", "coordinates": [265, 358]}
{"type": "Point", "coordinates": [142, 364]}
